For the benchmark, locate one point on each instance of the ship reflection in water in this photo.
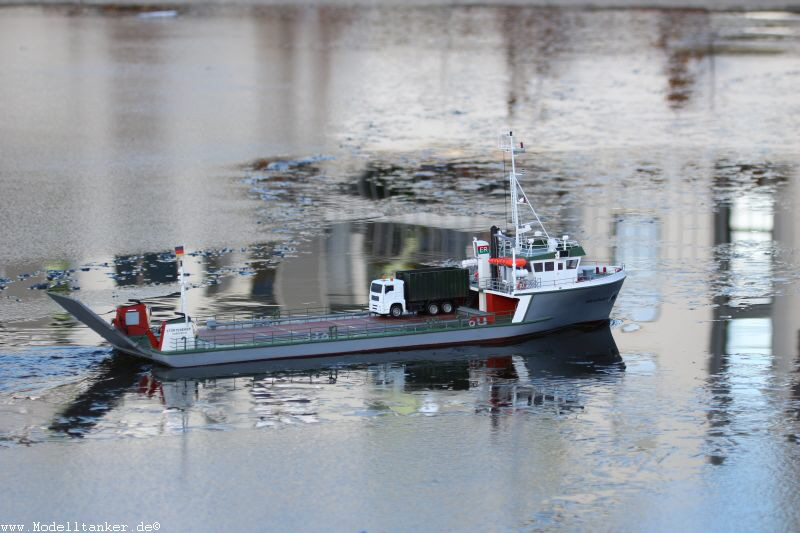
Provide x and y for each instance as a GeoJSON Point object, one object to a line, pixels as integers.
{"type": "Point", "coordinates": [543, 373]}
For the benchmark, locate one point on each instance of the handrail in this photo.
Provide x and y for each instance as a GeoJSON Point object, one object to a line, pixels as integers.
{"type": "Point", "coordinates": [528, 249]}
{"type": "Point", "coordinates": [587, 272]}
{"type": "Point", "coordinates": [242, 321]}
{"type": "Point", "coordinates": [600, 262]}
{"type": "Point", "coordinates": [502, 285]}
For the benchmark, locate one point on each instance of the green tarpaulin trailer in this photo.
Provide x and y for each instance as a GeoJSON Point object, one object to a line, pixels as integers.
{"type": "Point", "coordinates": [435, 284]}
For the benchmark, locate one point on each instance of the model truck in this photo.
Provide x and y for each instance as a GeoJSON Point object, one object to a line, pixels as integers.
{"type": "Point", "coordinates": [429, 290]}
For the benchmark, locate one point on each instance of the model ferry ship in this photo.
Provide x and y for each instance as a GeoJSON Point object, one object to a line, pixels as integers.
{"type": "Point", "coordinates": [520, 283]}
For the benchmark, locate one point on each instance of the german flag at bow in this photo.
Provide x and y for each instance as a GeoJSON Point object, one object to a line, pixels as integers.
{"type": "Point", "coordinates": [179, 251]}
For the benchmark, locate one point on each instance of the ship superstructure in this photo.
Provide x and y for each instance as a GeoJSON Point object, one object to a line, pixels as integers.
{"type": "Point", "coordinates": [537, 275]}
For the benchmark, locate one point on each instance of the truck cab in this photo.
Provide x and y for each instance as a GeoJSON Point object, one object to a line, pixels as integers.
{"type": "Point", "coordinates": [387, 297]}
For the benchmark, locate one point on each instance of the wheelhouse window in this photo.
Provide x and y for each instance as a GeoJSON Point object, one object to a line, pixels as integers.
{"type": "Point", "coordinates": [132, 318]}
{"type": "Point", "coordinates": [538, 267]}
{"type": "Point", "coordinates": [572, 263]}
{"type": "Point", "coordinates": [549, 266]}
{"type": "Point", "coordinates": [561, 266]}
{"type": "Point", "coordinates": [376, 287]}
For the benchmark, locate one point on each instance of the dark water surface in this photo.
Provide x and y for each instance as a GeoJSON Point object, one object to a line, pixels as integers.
{"type": "Point", "coordinates": [299, 153]}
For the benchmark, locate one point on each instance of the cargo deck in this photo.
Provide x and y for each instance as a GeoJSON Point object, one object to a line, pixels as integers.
{"type": "Point", "coordinates": [305, 328]}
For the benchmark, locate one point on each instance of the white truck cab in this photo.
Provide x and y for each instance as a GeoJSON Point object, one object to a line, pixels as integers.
{"type": "Point", "coordinates": [386, 297]}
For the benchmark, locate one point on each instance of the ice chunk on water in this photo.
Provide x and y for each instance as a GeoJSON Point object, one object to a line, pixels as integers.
{"type": "Point", "coordinates": [628, 328]}
{"type": "Point", "coordinates": [167, 13]}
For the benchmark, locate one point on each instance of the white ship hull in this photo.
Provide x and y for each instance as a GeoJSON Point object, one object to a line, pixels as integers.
{"type": "Point", "coordinates": [589, 301]}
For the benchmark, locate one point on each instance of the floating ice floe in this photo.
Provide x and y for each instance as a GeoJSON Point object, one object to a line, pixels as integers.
{"type": "Point", "coordinates": [167, 13]}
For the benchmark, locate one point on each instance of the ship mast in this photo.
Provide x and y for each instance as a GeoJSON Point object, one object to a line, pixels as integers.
{"type": "Point", "coordinates": [179, 257]}
{"type": "Point", "coordinates": [513, 184]}
{"type": "Point", "coordinates": [507, 145]}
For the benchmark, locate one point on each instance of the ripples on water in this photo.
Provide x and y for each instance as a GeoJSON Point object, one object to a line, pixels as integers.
{"type": "Point", "coordinates": [337, 144]}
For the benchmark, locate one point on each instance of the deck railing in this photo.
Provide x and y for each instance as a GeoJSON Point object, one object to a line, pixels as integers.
{"type": "Point", "coordinates": [585, 273]}
{"type": "Point", "coordinates": [532, 249]}
{"type": "Point", "coordinates": [502, 285]}
{"type": "Point", "coordinates": [271, 316]}
{"type": "Point", "coordinates": [590, 270]}
{"type": "Point", "coordinates": [241, 339]}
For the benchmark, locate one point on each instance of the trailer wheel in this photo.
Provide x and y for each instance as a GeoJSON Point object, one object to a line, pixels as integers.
{"type": "Point", "coordinates": [433, 309]}
{"type": "Point", "coordinates": [396, 310]}
{"type": "Point", "coordinates": [447, 308]}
